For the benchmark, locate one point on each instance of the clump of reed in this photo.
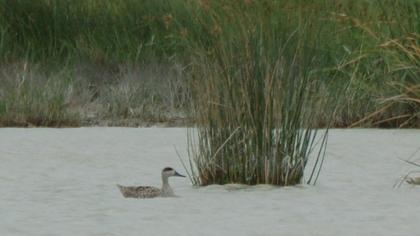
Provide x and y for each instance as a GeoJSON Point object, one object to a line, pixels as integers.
{"type": "Point", "coordinates": [255, 99]}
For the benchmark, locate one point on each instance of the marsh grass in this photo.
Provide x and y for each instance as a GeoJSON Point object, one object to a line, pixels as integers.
{"type": "Point", "coordinates": [31, 98]}
{"type": "Point", "coordinates": [134, 94]}
{"type": "Point", "coordinates": [254, 103]}
{"type": "Point", "coordinates": [100, 31]}
{"type": "Point", "coordinates": [402, 107]}
{"type": "Point", "coordinates": [371, 48]}
{"type": "Point", "coordinates": [387, 65]}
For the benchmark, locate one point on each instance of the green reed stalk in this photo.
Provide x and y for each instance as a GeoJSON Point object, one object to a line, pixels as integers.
{"type": "Point", "coordinates": [256, 119]}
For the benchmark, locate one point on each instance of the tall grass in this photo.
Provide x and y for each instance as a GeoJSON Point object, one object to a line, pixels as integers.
{"type": "Point", "coordinates": [102, 32]}
{"type": "Point", "coordinates": [371, 46]}
{"type": "Point", "coordinates": [254, 102]}
{"type": "Point", "coordinates": [385, 68]}
{"type": "Point", "coordinates": [402, 107]}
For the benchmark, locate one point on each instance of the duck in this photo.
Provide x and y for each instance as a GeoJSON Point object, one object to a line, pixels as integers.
{"type": "Point", "coordinates": [413, 180]}
{"type": "Point", "coordinates": [149, 191]}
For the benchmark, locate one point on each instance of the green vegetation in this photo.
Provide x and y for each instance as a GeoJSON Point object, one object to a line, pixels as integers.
{"type": "Point", "coordinates": [257, 77]}
{"type": "Point", "coordinates": [370, 46]}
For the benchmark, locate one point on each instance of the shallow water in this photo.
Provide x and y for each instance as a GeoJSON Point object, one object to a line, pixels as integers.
{"type": "Point", "coordinates": [62, 182]}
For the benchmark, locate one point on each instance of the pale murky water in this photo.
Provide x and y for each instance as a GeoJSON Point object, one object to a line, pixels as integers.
{"type": "Point", "coordinates": [62, 182]}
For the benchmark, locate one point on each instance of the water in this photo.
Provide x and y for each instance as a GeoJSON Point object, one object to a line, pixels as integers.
{"type": "Point", "coordinates": [62, 182]}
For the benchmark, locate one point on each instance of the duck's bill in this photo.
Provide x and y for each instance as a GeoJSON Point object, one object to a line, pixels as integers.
{"type": "Point", "coordinates": [178, 174]}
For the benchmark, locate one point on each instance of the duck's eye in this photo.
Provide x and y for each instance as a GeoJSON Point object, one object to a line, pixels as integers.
{"type": "Point", "coordinates": [168, 169]}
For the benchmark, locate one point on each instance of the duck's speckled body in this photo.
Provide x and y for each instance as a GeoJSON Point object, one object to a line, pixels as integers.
{"type": "Point", "coordinates": [413, 180]}
{"type": "Point", "coordinates": [139, 192]}
{"type": "Point", "coordinates": [149, 191]}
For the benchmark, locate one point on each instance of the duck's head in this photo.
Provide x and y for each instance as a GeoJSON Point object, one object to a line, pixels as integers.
{"type": "Point", "coordinates": [168, 172]}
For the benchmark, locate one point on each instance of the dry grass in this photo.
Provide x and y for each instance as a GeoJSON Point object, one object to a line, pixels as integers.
{"type": "Point", "coordinates": [134, 95]}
